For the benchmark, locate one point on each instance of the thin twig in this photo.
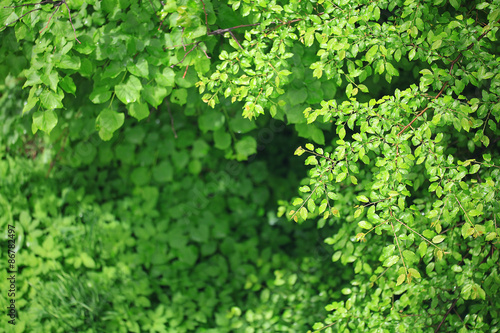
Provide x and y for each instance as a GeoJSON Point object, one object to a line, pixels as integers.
{"type": "Point", "coordinates": [234, 37]}
{"type": "Point", "coordinates": [206, 16]}
{"type": "Point", "coordinates": [185, 55]}
{"type": "Point", "coordinates": [152, 6]}
{"type": "Point", "coordinates": [31, 11]}
{"type": "Point", "coordinates": [399, 248]}
{"type": "Point", "coordinates": [422, 112]}
{"type": "Point", "coordinates": [178, 45]}
{"type": "Point", "coordinates": [171, 119]}
{"type": "Point", "coordinates": [416, 232]}
{"type": "Point", "coordinates": [57, 5]}
{"type": "Point", "coordinates": [206, 54]}
{"type": "Point", "coordinates": [446, 315]}
{"type": "Point", "coordinates": [182, 40]}
{"type": "Point", "coordinates": [71, 22]}
{"type": "Point", "coordinates": [454, 61]}
{"type": "Point", "coordinates": [324, 327]}
{"type": "Point", "coordinates": [50, 18]}
{"type": "Point", "coordinates": [33, 4]}
{"type": "Point", "coordinates": [223, 31]}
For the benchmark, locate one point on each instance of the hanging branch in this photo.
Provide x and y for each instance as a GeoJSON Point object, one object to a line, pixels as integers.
{"type": "Point", "coordinates": [56, 6]}
{"type": "Point", "coordinates": [453, 62]}
{"type": "Point", "coordinates": [223, 31]}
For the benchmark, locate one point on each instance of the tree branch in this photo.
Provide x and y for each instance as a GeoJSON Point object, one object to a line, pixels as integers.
{"type": "Point", "coordinates": [453, 62]}
{"type": "Point", "coordinates": [185, 55]}
{"type": "Point", "coordinates": [56, 4]}
{"type": "Point", "coordinates": [446, 315]}
{"type": "Point", "coordinates": [70, 21]}
{"type": "Point", "coordinates": [223, 31]}
{"type": "Point", "coordinates": [422, 112]}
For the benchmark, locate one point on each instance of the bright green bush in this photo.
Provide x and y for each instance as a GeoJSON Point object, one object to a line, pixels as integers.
{"type": "Point", "coordinates": [400, 104]}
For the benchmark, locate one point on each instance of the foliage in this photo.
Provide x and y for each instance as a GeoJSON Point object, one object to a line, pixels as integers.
{"type": "Point", "coordinates": [123, 246]}
{"type": "Point", "coordinates": [402, 97]}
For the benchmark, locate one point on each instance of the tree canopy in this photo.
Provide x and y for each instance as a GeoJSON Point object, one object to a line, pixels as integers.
{"type": "Point", "coordinates": [147, 162]}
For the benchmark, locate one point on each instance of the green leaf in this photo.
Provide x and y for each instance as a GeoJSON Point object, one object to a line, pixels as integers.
{"type": "Point", "coordinates": [179, 96]}
{"type": "Point", "coordinates": [465, 124]}
{"type": "Point", "coordinates": [130, 91]}
{"type": "Point", "coordinates": [362, 198]}
{"type": "Point", "coordinates": [100, 95]}
{"type": "Point", "coordinates": [414, 273]}
{"type": "Point", "coordinates": [348, 90]}
{"type": "Point", "coordinates": [303, 213]}
{"type": "Point", "coordinates": [188, 254]}
{"type": "Point", "coordinates": [239, 124]}
{"type": "Point", "coordinates": [455, 3]}
{"type": "Point", "coordinates": [491, 236]}
{"type": "Point", "coordinates": [113, 70]}
{"type": "Point", "coordinates": [297, 96]}
{"type": "Point", "coordinates": [51, 100]}
{"type": "Point", "coordinates": [341, 177]}
{"type": "Point", "coordinates": [68, 62]}
{"type": "Point", "coordinates": [154, 95]}
{"type": "Point", "coordinates": [51, 80]}
{"type": "Point", "coordinates": [45, 120]}
{"type": "Point", "coordinates": [166, 78]}
{"type": "Point", "coordinates": [436, 44]}
{"type": "Point", "coordinates": [371, 53]}
{"type": "Point", "coordinates": [401, 279]}
{"type": "Point", "coordinates": [68, 85]}
{"type": "Point", "coordinates": [211, 120]}
{"type": "Point", "coordinates": [245, 147]}
{"type": "Point", "coordinates": [474, 168]}
{"type": "Point", "coordinates": [422, 249]}
{"type": "Point", "coordinates": [391, 261]}
{"type": "Point", "coordinates": [311, 160]}
{"type": "Point", "coordinates": [138, 110]}
{"type": "Point", "coordinates": [391, 70]}
{"type": "Point", "coordinates": [108, 122]}
{"type": "Point", "coordinates": [222, 139]}
{"type": "Point", "coordinates": [342, 133]}
{"type": "Point", "coordinates": [438, 239]}
{"type": "Point", "coordinates": [410, 256]}
{"type": "Point", "coordinates": [163, 172]}
{"type": "Point", "coordinates": [140, 176]}
{"type": "Point", "coordinates": [363, 88]}
{"type": "Point", "coordinates": [87, 260]}
{"type": "Point", "coordinates": [305, 189]}
{"type": "Point", "coordinates": [32, 100]}
{"type": "Point", "coordinates": [140, 68]}
{"type": "Point", "coordinates": [299, 151]}
{"type": "Point", "coordinates": [365, 225]}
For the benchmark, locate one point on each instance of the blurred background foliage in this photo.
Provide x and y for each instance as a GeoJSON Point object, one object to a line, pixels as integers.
{"type": "Point", "coordinates": [135, 235]}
